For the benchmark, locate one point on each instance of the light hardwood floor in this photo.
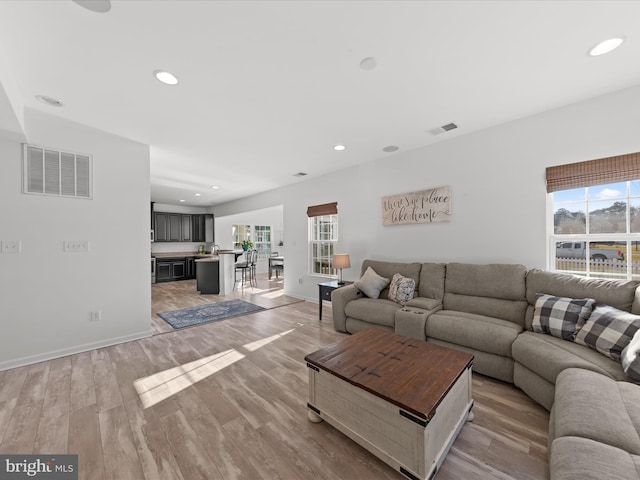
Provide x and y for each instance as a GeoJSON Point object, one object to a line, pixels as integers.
{"type": "Point", "coordinates": [230, 403]}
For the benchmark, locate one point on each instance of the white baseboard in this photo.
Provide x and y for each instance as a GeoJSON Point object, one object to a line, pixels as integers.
{"type": "Point", "coordinates": [42, 357]}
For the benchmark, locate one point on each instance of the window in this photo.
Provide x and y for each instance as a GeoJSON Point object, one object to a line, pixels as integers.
{"type": "Point", "coordinates": [594, 217]}
{"type": "Point", "coordinates": [323, 235]}
{"type": "Point", "coordinates": [263, 240]}
{"type": "Point", "coordinates": [240, 233]}
{"type": "Point", "coordinates": [596, 230]}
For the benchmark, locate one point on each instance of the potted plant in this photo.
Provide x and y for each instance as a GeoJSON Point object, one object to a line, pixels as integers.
{"type": "Point", "coordinates": [246, 245]}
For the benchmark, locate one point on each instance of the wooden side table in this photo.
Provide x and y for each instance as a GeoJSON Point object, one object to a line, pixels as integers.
{"type": "Point", "coordinates": [325, 290]}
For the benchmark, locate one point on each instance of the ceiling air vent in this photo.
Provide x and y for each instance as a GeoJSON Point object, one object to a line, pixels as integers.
{"type": "Point", "coordinates": [51, 172]}
{"type": "Point", "coordinates": [443, 129]}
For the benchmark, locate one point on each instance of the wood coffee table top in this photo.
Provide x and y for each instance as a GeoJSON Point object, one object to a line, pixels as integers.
{"type": "Point", "coordinates": [412, 374]}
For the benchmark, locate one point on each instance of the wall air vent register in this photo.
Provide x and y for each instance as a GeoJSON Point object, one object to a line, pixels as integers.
{"type": "Point", "coordinates": [51, 172]}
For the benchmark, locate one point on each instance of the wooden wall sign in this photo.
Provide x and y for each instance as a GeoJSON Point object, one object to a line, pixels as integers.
{"type": "Point", "coordinates": [427, 206]}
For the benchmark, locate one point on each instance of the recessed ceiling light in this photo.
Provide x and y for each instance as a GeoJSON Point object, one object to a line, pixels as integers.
{"type": "Point", "coordinates": [49, 100]}
{"type": "Point", "coordinates": [183, 201]}
{"type": "Point", "coordinates": [606, 46]}
{"type": "Point", "coordinates": [368, 63]}
{"type": "Point", "coordinates": [166, 77]}
{"type": "Point", "coordinates": [98, 6]}
{"type": "Point", "coordinates": [215, 187]}
{"type": "Point", "coordinates": [197, 194]}
{"type": "Point", "coordinates": [390, 148]}
{"type": "Point", "coordinates": [339, 148]}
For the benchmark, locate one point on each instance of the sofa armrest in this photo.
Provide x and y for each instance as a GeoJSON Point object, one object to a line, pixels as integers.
{"type": "Point", "coordinates": [339, 299]}
{"type": "Point", "coordinates": [425, 303]}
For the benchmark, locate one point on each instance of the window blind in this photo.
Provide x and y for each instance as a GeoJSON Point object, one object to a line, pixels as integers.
{"type": "Point", "coordinates": [594, 172]}
{"type": "Point", "coordinates": [324, 209]}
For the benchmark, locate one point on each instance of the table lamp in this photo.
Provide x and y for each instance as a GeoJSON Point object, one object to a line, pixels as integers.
{"type": "Point", "coordinates": [341, 260]}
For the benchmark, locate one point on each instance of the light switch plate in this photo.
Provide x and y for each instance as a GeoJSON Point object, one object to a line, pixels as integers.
{"type": "Point", "coordinates": [11, 246]}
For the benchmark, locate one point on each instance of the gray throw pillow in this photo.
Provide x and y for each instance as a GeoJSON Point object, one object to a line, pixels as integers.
{"type": "Point", "coordinates": [560, 316]}
{"type": "Point", "coordinates": [608, 330]}
{"type": "Point", "coordinates": [631, 358]}
{"type": "Point", "coordinates": [401, 289]}
{"type": "Point", "coordinates": [371, 284]}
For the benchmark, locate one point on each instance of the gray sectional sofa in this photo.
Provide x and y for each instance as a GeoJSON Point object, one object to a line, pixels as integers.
{"type": "Point", "coordinates": [488, 310]}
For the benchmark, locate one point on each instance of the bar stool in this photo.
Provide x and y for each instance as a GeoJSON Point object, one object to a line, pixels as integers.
{"type": "Point", "coordinates": [244, 268]}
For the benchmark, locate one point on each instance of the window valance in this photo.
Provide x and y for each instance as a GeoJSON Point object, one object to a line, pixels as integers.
{"type": "Point", "coordinates": [594, 172]}
{"type": "Point", "coordinates": [324, 209]}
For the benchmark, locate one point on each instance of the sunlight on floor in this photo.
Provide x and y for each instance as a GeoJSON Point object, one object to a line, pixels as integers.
{"type": "Point", "coordinates": [265, 292]}
{"type": "Point", "coordinates": [160, 386]}
{"type": "Point", "coordinates": [261, 343]}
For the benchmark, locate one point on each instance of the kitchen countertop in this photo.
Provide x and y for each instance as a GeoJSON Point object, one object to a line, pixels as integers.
{"type": "Point", "coordinates": [178, 254]}
{"type": "Point", "coordinates": [193, 254]}
{"type": "Point", "coordinates": [207, 258]}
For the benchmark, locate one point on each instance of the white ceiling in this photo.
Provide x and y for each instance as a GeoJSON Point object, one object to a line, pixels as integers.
{"type": "Point", "coordinates": [267, 88]}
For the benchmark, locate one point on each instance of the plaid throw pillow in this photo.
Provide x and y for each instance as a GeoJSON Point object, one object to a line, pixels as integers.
{"type": "Point", "coordinates": [609, 331]}
{"type": "Point", "coordinates": [631, 358]}
{"type": "Point", "coordinates": [560, 316]}
{"type": "Point", "coordinates": [401, 289]}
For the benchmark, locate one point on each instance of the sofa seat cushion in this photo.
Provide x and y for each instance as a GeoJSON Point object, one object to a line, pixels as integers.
{"type": "Point", "coordinates": [574, 458]}
{"type": "Point", "coordinates": [590, 405]}
{"type": "Point", "coordinates": [486, 334]}
{"type": "Point", "coordinates": [548, 356]}
{"type": "Point", "coordinates": [377, 311]}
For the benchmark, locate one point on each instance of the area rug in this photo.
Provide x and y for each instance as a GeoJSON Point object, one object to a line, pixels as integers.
{"type": "Point", "coordinates": [212, 312]}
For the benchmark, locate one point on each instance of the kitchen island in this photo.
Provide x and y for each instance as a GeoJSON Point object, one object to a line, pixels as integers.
{"type": "Point", "coordinates": [215, 274]}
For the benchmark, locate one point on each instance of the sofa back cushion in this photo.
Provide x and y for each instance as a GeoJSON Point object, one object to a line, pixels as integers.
{"type": "Point", "coordinates": [620, 294]}
{"type": "Point", "coordinates": [432, 277]}
{"type": "Point", "coordinates": [494, 290]}
{"type": "Point", "coordinates": [389, 269]}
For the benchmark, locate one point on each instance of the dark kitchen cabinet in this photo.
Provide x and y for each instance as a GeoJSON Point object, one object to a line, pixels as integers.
{"type": "Point", "coordinates": [171, 269]}
{"type": "Point", "coordinates": [161, 226]}
{"type": "Point", "coordinates": [183, 227]}
{"type": "Point", "coordinates": [197, 222]}
{"type": "Point", "coordinates": [191, 267]}
{"type": "Point", "coordinates": [175, 227]}
{"type": "Point", "coordinates": [209, 228]}
{"type": "Point", "coordinates": [186, 221]}
{"type": "Point", "coordinates": [163, 271]}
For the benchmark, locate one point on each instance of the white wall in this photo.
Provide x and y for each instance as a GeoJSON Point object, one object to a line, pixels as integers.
{"type": "Point", "coordinates": [46, 295]}
{"type": "Point", "coordinates": [497, 185]}
{"type": "Point", "coordinates": [272, 216]}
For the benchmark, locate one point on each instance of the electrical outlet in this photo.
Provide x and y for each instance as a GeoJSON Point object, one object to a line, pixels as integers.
{"type": "Point", "coordinates": [78, 246]}
{"type": "Point", "coordinates": [11, 246]}
{"type": "Point", "coordinates": [300, 280]}
{"type": "Point", "coordinates": [96, 316]}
